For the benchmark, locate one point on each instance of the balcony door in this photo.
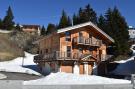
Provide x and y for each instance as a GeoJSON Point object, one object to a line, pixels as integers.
{"type": "Point", "coordinates": [81, 40]}
{"type": "Point", "coordinates": [68, 51]}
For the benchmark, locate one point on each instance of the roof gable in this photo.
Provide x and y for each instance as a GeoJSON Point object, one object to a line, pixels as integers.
{"type": "Point", "coordinates": [83, 25]}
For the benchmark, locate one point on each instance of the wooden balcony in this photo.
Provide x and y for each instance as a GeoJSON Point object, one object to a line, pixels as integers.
{"type": "Point", "coordinates": [58, 56]}
{"type": "Point", "coordinates": [87, 41]}
{"type": "Point", "coordinates": [106, 57]}
{"type": "Point", "coordinates": [79, 40]}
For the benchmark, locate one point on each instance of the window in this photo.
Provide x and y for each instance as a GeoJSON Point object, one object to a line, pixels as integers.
{"type": "Point", "coordinates": [80, 34]}
{"type": "Point", "coordinates": [68, 36]}
{"type": "Point", "coordinates": [68, 51]}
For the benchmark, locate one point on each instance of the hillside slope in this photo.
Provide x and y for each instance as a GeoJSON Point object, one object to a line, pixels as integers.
{"type": "Point", "coordinates": [8, 49]}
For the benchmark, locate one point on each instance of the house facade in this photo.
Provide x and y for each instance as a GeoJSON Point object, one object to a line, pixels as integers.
{"type": "Point", "coordinates": [32, 29]}
{"type": "Point", "coordinates": [131, 31]}
{"type": "Point", "coordinates": [73, 49]}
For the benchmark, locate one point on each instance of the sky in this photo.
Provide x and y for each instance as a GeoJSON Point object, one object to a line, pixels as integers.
{"type": "Point", "coordinates": [42, 12]}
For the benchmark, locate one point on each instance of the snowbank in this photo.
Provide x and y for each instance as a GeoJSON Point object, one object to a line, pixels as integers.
{"type": "Point", "coordinates": [125, 67]}
{"type": "Point", "coordinates": [68, 78]}
{"type": "Point", "coordinates": [4, 31]}
{"type": "Point", "coordinates": [2, 76]}
{"type": "Point", "coordinates": [16, 65]}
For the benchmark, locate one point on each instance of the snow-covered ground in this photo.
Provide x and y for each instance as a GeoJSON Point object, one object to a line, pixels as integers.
{"type": "Point", "coordinates": [126, 67]}
{"type": "Point", "coordinates": [4, 31]}
{"type": "Point", "coordinates": [2, 76]}
{"type": "Point", "coordinates": [68, 78]}
{"type": "Point", "coordinates": [16, 65]}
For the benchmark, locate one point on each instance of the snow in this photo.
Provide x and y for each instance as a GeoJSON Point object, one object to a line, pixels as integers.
{"type": "Point", "coordinates": [68, 78]}
{"type": "Point", "coordinates": [16, 65]}
{"type": "Point", "coordinates": [2, 76]}
{"type": "Point", "coordinates": [125, 67]}
{"type": "Point", "coordinates": [4, 31]}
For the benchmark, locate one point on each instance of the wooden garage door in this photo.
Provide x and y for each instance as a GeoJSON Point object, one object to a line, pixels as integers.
{"type": "Point", "coordinates": [67, 69]}
{"type": "Point", "coordinates": [81, 69]}
{"type": "Point", "coordinates": [90, 68]}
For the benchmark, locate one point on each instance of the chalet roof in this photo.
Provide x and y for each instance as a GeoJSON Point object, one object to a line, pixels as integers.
{"type": "Point", "coordinates": [83, 25]}
{"type": "Point", "coordinates": [30, 26]}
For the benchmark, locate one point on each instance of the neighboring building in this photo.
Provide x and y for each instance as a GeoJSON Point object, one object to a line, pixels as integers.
{"type": "Point", "coordinates": [131, 31]}
{"type": "Point", "coordinates": [32, 29]}
{"type": "Point", "coordinates": [73, 49]}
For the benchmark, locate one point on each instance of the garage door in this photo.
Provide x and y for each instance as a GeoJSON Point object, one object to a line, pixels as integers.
{"type": "Point", "coordinates": [67, 69]}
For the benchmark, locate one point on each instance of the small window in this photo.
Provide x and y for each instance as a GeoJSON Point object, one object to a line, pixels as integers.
{"type": "Point", "coordinates": [68, 36]}
{"type": "Point", "coordinates": [80, 34]}
{"type": "Point", "coordinates": [68, 48]}
{"type": "Point", "coordinates": [68, 51]}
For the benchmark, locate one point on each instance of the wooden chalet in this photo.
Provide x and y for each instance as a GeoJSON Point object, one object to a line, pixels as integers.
{"type": "Point", "coordinates": [73, 49]}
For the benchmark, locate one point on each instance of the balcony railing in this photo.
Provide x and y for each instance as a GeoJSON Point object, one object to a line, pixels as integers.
{"type": "Point", "coordinates": [79, 40]}
{"type": "Point", "coordinates": [105, 57]}
{"type": "Point", "coordinates": [60, 56]}
{"type": "Point", "coordinates": [88, 41]}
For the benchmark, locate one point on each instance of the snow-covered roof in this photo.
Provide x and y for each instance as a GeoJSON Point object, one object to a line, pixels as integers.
{"type": "Point", "coordinates": [83, 25]}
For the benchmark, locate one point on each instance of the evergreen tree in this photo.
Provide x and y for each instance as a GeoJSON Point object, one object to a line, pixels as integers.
{"type": "Point", "coordinates": [90, 14]}
{"type": "Point", "coordinates": [102, 23]}
{"type": "Point", "coordinates": [75, 19]}
{"type": "Point", "coordinates": [69, 23]}
{"type": "Point", "coordinates": [43, 30]}
{"type": "Point", "coordinates": [82, 16]}
{"type": "Point", "coordinates": [50, 28]}
{"type": "Point", "coordinates": [116, 27]}
{"type": "Point", "coordinates": [64, 20]}
{"type": "Point", "coordinates": [85, 15]}
{"type": "Point", "coordinates": [8, 22]}
{"type": "Point", "coordinates": [0, 24]}
{"type": "Point", "coordinates": [109, 22]}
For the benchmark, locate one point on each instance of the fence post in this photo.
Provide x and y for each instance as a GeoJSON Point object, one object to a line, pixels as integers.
{"type": "Point", "coordinates": [133, 80]}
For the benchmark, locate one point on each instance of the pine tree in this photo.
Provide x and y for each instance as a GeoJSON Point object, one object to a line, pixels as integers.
{"type": "Point", "coordinates": [64, 20]}
{"type": "Point", "coordinates": [116, 27]}
{"type": "Point", "coordinates": [82, 16]}
{"type": "Point", "coordinates": [90, 14]}
{"type": "Point", "coordinates": [43, 31]}
{"type": "Point", "coordinates": [8, 22]}
{"type": "Point", "coordinates": [69, 23]}
{"type": "Point", "coordinates": [102, 23]}
{"type": "Point", "coordinates": [0, 24]}
{"type": "Point", "coordinates": [109, 22]}
{"type": "Point", "coordinates": [75, 19]}
{"type": "Point", "coordinates": [86, 14]}
{"type": "Point", "coordinates": [50, 28]}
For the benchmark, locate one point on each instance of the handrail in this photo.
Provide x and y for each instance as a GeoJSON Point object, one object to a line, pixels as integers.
{"type": "Point", "coordinates": [58, 55]}
{"type": "Point", "coordinates": [105, 57]}
{"type": "Point", "coordinates": [88, 41]}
